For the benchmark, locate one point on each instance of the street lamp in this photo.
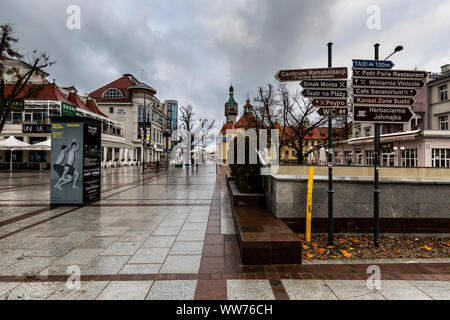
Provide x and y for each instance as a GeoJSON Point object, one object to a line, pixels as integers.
{"type": "Point", "coordinates": [397, 49]}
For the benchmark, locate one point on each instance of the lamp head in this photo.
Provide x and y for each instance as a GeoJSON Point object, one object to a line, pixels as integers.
{"type": "Point", "coordinates": [398, 48]}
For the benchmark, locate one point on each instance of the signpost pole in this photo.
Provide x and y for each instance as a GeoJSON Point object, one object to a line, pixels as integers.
{"type": "Point", "coordinates": [330, 163]}
{"type": "Point", "coordinates": [376, 190]}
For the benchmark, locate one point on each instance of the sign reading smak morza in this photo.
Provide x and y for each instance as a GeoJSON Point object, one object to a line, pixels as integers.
{"type": "Point", "coordinates": [325, 84]}
{"type": "Point", "coordinates": [312, 74]}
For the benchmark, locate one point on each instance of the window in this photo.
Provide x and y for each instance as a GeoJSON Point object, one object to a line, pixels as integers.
{"type": "Point", "coordinates": [370, 157]}
{"type": "Point", "coordinates": [443, 122]}
{"type": "Point", "coordinates": [441, 158]}
{"type": "Point", "coordinates": [348, 155]}
{"type": "Point", "coordinates": [338, 157]}
{"type": "Point", "coordinates": [38, 156]}
{"type": "Point", "coordinates": [112, 93]}
{"type": "Point", "coordinates": [443, 95]}
{"type": "Point", "coordinates": [111, 110]}
{"type": "Point", "coordinates": [359, 158]}
{"type": "Point", "coordinates": [367, 131]}
{"type": "Point", "coordinates": [409, 158]}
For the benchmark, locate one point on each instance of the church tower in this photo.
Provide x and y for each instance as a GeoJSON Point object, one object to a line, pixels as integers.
{"type": "Point", "coordinates": [231, 108]}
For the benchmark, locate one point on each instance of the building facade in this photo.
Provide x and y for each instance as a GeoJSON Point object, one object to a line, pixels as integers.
{"type": "Point", "coordinates": [143, 115]}
{"type": "Point", "coordinates": [30, 122]}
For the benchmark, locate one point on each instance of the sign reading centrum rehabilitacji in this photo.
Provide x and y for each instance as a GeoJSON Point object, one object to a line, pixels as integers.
{"type": "Point", "coordinates": [309, 74]}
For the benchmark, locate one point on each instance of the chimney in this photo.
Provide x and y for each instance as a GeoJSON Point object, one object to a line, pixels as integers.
{"type": "Point", "coordinates": [445, 68]}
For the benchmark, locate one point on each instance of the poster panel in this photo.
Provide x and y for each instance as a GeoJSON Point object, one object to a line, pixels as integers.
{"type": "Point", "coordinates": [92, 162]}
{"type": "Point", "coordinates": [67, 163]}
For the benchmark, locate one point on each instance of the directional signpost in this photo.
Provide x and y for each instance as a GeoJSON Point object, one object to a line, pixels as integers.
{"type": "Point", "coordinates": [398, 74]}
{"type": "Point", "coordinates": [333, 112]}
{"type": "Point", "coordinates": [324, 84]}
{"type": "Point", "coordinates": [360, 82]}
{"type": "Point", "coordinates": [327, 87]}
{"type": "Point", "coordinates": [312, 74]}
{"type": "Point", "coordinates": [383, 96]}
{"type": "Point", "coordinates": [319, 93]}
{"type": "Point", "coordinates": [372, 64]}
{"type": "Point", "coordinates": [327, 103]}
{"type": "Point", "coordinates": [378, 114]}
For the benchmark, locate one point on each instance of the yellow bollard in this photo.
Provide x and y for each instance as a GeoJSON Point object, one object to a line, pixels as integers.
{"type": "Point", "coordinates": [309, 204]}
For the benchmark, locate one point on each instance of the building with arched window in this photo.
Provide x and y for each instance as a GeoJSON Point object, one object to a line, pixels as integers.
{"type": "Point", "coordinates": [135, 104]}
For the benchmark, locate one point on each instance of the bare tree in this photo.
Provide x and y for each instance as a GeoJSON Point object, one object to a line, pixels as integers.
{"type": "Point", "coordinates": [291, 114]}
{"type": "Point", "coordinates": [197, 132]}
{"type": "Point", "coordinates": [345, 122]}
{"type": "Point", "coordinates": [301, 123]}
{"type": "Point", "coordinates": [37, 62]}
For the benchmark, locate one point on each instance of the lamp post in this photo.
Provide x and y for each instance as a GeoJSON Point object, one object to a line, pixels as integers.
{"type": "Point", "coordinates": [376, 190]}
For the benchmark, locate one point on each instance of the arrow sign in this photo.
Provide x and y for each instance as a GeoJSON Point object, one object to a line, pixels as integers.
{"type": "Point", "coordinates": [375, 114]}
{"type": "Point", "coordinates": [324, 94]}
{"type": "Point", "coordinates": [333, 112]}
{"type": "Point", "coordinates": [399, 74]}
{"type": "Point", "coordinates": [329, 103]}
{"type": "Point", "coordinates": [310, 74]}
{"type": "Point", "coordinates": [385, 92]}
{"type": "Point", "coordinates": [383, 101]}
{"type": "Point", "coordinates": [325, 84]}
{"type": "Point", "coordinates": [372, 64]}
{"type": "Point", "coordinates": [357, 82]}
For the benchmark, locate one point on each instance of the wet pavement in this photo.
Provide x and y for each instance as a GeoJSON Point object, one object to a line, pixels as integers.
{"type": "Point", "coordinates": [168, 235]}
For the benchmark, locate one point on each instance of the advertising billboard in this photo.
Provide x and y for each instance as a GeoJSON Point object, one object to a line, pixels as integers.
{"type": "Point", "coordinates": [75, 161]}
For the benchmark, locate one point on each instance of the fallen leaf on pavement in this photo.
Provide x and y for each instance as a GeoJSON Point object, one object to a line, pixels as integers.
{"type": "Point", "coordinates": [346, 254]}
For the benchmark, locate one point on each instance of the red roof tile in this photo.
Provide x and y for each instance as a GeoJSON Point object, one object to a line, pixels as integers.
{"type": "Point", "coordinates": [227, 126]}
{"type": "Point", "coordinates": [122, 84]}
{"type": "Point", "coordinates": [92, 106]}
{"type": "Point", "coordinates": [248, 120]}
{"type": "Point", "coordinates": [50, 92]}
{"type": "Point", "coordinates": [76, 101]}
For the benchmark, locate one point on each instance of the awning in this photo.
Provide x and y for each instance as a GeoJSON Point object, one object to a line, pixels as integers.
{"type": "Point", "coordinates": [13, 143]}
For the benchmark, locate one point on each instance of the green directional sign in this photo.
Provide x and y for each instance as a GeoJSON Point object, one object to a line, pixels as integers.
{"type": "Point", "coordinates": [68, 109]}
{"type": "Point", "coordinates": [18, 105]}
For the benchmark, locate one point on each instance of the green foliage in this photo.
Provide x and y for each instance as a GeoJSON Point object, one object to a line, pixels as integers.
{"type": "Point", "coordinates": [248, 175]}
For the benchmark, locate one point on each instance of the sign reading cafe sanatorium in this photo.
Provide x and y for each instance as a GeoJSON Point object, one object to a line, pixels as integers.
{"type": "Point", "coordinates": [75, 161]}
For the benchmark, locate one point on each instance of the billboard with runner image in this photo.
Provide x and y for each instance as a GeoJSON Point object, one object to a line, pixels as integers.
{"type": "Point", "coordinates": [75, 161]}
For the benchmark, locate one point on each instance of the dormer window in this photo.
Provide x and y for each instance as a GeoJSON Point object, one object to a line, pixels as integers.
{"type": "Point", "coordinates": [112, 93]}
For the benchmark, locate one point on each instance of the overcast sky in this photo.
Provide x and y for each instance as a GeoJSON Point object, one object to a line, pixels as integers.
{"type": "Point", "coordinates": [192, 49]}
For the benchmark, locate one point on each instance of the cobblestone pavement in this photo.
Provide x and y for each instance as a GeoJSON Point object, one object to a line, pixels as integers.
{"type": "Point", "coordinates": [169, 235]}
